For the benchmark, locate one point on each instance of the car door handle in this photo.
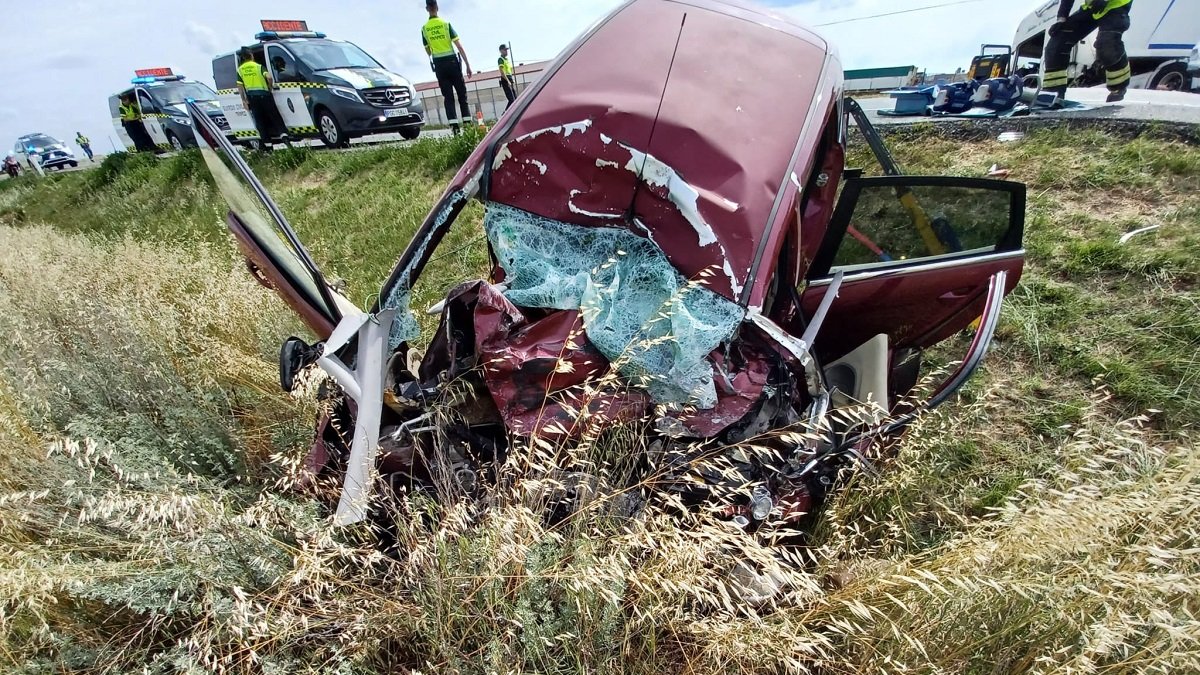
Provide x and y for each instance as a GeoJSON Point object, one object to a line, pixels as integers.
{"type": "Point", "coordinates": [958, 295]}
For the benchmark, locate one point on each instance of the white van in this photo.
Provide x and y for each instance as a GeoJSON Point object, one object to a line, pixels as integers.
{"type": "Point", "coordinates": [161, 95]}
{"type": "Point", "coordinates": [1159, 40]}
{"type": "Point", "coordinates": [327, 89]}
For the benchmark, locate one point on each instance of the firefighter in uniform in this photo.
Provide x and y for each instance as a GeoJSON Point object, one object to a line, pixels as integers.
{"type": "Point", "coordinates": [441, 44]}
{"type": "Point", "coordinates": [1111, 17]}
{"type": "Point", "coordinates": [255, 85]}
{"type": "Point", "coordinates": [507, 82]}
{"type": "Point", "coordinates": [131, 120]}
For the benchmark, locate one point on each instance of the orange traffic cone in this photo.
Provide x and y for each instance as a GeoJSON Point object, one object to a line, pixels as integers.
{"type": "Point", "coordinates": [479, 120]}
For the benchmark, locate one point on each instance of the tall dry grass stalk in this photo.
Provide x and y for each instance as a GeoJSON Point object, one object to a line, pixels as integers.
{"type": "Point", "coordinates": [140, 530]}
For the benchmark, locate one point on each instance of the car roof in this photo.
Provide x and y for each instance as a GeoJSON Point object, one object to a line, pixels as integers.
{"type": "Point", "coordinates": [719, 106]}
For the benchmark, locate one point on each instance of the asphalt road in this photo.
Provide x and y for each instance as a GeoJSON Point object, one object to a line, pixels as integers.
{"type": "Point", "coordinates": [355, 145]}
{"type": "Point", "coordinates": [1139, 105]}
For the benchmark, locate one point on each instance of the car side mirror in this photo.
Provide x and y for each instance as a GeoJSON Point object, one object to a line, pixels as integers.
{"type": "Point", "coordinates": [294, 356]}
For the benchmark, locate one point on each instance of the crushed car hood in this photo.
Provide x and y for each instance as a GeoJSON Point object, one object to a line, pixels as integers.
{"type": "Point", "coordinates": [644, 186]}
{"type": "Point", "coordinates": [679, 147]}
{"type": "Point", "coordinates": [365, 78]}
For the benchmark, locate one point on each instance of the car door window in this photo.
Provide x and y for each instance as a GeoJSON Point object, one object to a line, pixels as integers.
{"type": "Point", "coordinates": [283, 66]}
{"type": "Point", "coordinates": [148, 105]}
{"type": "Point", "coordinates": [899, 221]}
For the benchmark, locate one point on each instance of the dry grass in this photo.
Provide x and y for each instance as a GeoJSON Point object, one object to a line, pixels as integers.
{"type": "Point", "coordinates": [1047, 522]}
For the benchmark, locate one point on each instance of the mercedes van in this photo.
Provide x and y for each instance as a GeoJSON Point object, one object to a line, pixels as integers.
{"type": "Point", "coordinates": [326, 89]}
{"type": "Point", "coordinates": [162, 97]}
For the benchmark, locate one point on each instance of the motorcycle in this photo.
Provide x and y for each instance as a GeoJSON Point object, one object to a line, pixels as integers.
{"type": "Point", "coordinates": [12, 167]}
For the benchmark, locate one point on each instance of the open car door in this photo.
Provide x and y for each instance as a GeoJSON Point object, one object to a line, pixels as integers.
{"type": "Point", "coordinates": [273, 252]}
{"type": "Point", "coordinates": [921, 259]}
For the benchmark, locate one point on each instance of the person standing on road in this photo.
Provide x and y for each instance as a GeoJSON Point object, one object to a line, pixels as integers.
{"type": "Point", "coordinates": [84, 144]}
{"type": "Point", "coordinates": [255, 85]}
{"type": "Point", "coordinates": [131, 120]}
{"type": "Point", "coordinates": [507, 81]}
{"type": "Point", "coordinates": [441, 43]}
{"type": "Point", "coordinates": [1111, 18]}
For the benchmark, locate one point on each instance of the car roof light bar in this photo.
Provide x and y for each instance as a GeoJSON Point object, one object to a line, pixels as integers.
{"type": "Point", "coordinates": [268, 35]}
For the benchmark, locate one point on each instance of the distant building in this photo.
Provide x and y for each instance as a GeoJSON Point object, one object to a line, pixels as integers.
{"type": "Point", "coordinates": [876, 79]}
{"type": "Point", "coordinates": [483, 92]}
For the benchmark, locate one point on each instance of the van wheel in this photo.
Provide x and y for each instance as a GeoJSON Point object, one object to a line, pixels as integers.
{"type": "Point", "coordinates": [174, 141]}
{"type": "Point", "coordinates": [410, 133]}
{"type": "Point", "coordinates": [1173, 77]}
{"type": "Point", "coordinates": [331, 132]}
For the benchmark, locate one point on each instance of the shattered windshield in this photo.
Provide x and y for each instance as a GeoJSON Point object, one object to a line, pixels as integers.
{"type": "Point", "coordinates": [656, 327]}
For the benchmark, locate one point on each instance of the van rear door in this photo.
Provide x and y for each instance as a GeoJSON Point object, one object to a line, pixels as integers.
{"type": "Point", "coordinates": [241, 125]}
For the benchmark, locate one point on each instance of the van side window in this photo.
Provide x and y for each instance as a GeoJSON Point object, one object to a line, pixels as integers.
{"type": "Point", "coordinates": [148, 106]}
{"type": "Point", "coordinates": [283, 66]}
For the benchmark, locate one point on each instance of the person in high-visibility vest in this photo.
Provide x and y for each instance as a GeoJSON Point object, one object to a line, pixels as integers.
{"type": "Point", "coordinates": [507, 82]}
{"type": "Point", "coordinates": [131, 121]}
{"type": "Point", "coordinates": [1111, 18]}
{"type": "Point", "coordinates": [255, 85]}
{"type": "Point", "coordinates": [84, 144]}
{"type": "Point", "coordinates": [447, 58]}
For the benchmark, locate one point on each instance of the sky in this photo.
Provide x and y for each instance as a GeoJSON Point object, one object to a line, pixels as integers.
{"type": "Point", "coordinates": [64, 58]}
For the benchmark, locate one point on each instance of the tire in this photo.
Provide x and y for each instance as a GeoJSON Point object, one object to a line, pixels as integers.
{"type": "Point", "coordinates": [176, 146]}
{"type": "Point", "coordinates": [1174, 76]}
{"type": "Point", "coordinates": [410, 133]}
{"type": "Point", "coordinates": [74, 164]}
{"type": "Point", "coordinates": [331, 131]}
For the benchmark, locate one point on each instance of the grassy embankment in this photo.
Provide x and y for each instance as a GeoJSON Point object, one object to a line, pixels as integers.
{"type": "Point", "coordinates": [1046, 521]}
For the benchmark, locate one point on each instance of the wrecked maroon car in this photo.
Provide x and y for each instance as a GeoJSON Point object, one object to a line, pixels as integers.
{"type": "Point", "coordinates": [677, 246]}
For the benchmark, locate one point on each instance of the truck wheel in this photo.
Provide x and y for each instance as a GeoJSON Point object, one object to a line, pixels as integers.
{"type": "Point", "coordinates": [74, 164]}
{"type": "Point", "coordinates": [331, 132]}
{"type": "Point", "coordinates": [1172, 77]}
{"type": "Point", "coordinates": [174, 141]}
{"type": "Point", "coordinates": [410, 133]}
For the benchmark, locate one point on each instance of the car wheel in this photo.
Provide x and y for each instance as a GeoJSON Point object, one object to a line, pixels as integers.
{"type": "Point", "coordinates": [74, 164]}
{"type": "Point", "coordinates": [331, 132]}
{"type": "Point", "coordinates": [410, 133]}
{"type": "Point", "coordinates": [1173, 77]}
{"type": "Point", "coordinates": [174, 141]}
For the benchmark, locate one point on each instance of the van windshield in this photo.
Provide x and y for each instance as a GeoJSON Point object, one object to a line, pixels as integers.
{"type": "Point", "coordinates": [330, 55]}
{"type": "Point", "coordinates": [179, 92]}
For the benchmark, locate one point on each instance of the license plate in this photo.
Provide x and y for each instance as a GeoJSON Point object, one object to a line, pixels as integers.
{"type": "Point", "coordinates": [396, 112]}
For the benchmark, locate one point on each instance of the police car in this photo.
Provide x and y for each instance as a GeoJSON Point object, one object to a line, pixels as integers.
{"type": "Point", "coordinates": [326, 89]}
{"type": "Point", "coordinates": [50, 152]}
{"type": "Point", "coordinates": [162, 97]}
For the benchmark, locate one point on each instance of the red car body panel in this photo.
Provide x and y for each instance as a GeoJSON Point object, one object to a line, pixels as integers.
{"type": "Point", "coordinates": [899, 304]}
{"type": "Point", "coordinates": [682, 82]}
